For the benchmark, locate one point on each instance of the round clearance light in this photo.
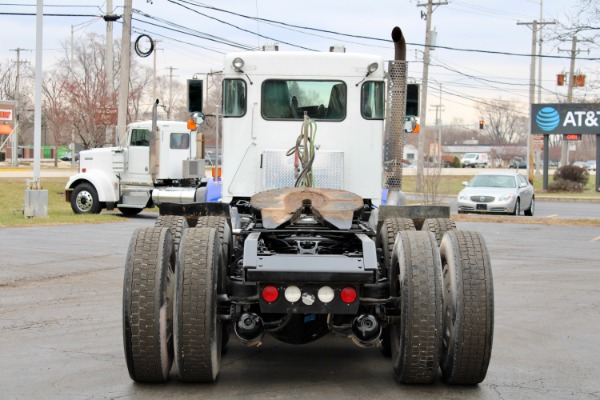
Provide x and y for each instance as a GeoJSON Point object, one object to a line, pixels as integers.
{"type": "Point", "coordinates": [270, 294]}
{"type": "Point", "coordinates": [348, 295]}
{"type": "Point", "coordinates": [372, 67]}
{"type": "Point", "coordinates": [238, 63]}
{"type": "Point", "coordinates": [292, 294]}
{"type": "Point", "coordinates": [325, 294]}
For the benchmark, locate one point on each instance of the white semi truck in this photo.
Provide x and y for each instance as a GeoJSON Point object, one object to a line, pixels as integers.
{"type": "Point", "coordinates": [153, 166]}
{"type": "Point", "coordinates": [300, 246]}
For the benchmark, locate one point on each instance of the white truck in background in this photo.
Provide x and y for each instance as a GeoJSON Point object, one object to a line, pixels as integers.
{"type": "Point", "coordinates": [148, 169]}
{"type": "Point", "coordinates": [475, 160]}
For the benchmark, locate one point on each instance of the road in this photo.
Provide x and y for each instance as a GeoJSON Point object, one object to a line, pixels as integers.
{"type": "Point", "coordinates": [61, 338]}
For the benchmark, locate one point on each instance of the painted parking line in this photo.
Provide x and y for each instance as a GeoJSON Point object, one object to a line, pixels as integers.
{"type": "Point", "coordinates": [596, 239]}
{"type": "Point", "coordinates": [552, 216]}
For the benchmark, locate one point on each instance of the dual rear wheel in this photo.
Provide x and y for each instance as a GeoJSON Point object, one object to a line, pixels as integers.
{"type": "Point", "coordinates": [444, 310]}
{"type": "Point", "coordinates": [173, 275]}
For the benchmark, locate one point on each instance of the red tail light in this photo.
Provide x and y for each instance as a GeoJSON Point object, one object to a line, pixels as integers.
{"type": "Point", "coordinates": [270, 294]}
{"type": "Point", "coordinates": [348, 295]}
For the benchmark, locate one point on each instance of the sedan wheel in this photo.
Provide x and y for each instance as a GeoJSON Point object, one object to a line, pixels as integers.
{"type": "Point", "coordinates": [529, 212]}
{"type": "Point", "coordinates": [517, 208]}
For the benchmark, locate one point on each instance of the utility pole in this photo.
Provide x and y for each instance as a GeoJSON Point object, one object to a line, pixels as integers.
{"type": "Point", "coordinates": [170, 92]}
{"type": "Point", "coordinates": [15, 137]}
{"type": "Point", "coordinates": [125, 66]}
{"type": "Point", "coordinates": [564, 156]}
{"type": "Point", "coordinates": [110, 131]}
{"type": "Point", "coordinates": [421, 143]}
{"type": "Point", "coordinates": [156, 41]}
{"type": "Point", "coordinates": [530, 145]}
{"type": "Point", "coordinates": [438, 122]}
{"type": "Point", "coordinates": [540, 41]}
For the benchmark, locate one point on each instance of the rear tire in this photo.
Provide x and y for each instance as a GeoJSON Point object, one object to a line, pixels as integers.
{"type": "Point", "coordinates": [468, 303]}
{"type": "Point", "coordinates": [148, 305]}
{"type": "Point", "coordinates": [416, 340]}
{"type": "Point", "coordinates": [198, 332]}
{"type": "Point", "coordinates": [386, 239]}
{"type": "Point", "coordinates": [222, 226]}
{"type": "Point", "coordinates": [438, 226]}
{"type": "Point", "coordinates": [176, 225]}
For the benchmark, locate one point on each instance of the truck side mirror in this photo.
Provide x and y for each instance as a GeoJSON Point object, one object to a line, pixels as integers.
{"type": "Point", "coordinates": [411, 125]}
{"type": "Point", "coordinates": [196, 120]}
{"type": "Point", "coordinates": [195, 95]}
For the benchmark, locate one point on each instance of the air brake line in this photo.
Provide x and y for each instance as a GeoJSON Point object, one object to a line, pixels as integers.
{"type": "Point", "coordinates": [304, 153]}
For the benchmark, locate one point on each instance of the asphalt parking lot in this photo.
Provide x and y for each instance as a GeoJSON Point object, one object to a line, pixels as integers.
{"type": "Point", "coordinates": [60, 325]}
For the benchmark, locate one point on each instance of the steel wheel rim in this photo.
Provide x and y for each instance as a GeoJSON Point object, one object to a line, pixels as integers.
{"type": "Point", "coordinates": [84, 201]}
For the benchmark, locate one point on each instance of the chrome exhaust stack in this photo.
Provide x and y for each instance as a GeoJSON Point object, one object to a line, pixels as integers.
{"type": "Point", "coordinates": [393, 147]}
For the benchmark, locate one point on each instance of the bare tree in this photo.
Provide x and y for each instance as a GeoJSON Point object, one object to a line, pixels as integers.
{"type": "Point", "coordinates": [77, 99]}
{"type": "Point", "coordinates": [8, 91]}
{"type": "Point", "coordinates": [58, 118]}
{"type": "Point", "coordinates": [7, 80]}
{"type": "Point", "coordinates": [173, 97]}
{"type": "Point", "coordinates": [504, 121]}
{"type": "Point", "coordinates": [432, 192]}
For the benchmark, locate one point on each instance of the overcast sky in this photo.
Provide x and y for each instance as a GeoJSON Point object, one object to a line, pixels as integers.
{"type": "Point", "coordinates": [466, 77]}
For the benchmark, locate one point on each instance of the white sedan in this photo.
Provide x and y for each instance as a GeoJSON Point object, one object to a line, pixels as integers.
{"type": "Point", "coordinates": [501, 192]}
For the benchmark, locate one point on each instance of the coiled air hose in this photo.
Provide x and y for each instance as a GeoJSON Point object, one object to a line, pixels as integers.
{"type": "Point", "coordinates": [304, 153]}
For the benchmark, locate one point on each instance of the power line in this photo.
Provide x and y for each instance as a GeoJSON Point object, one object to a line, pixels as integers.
{"type": "Point", "coordinates": [197, 34]}
{"type": "Point", "coordinates": [50, 14]}
{"type": "Point", "coordinates": [240, 28]}
{"type": "Point", "coordinates": [200, 5]}
{"type": "Point", "coordinates": [49, 5]}
{"type": "Point", "coordinates": [493, 52]}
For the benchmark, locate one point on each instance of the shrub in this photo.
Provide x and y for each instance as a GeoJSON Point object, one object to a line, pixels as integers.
{"type": "Point", "coordinates": [456, 162]}
{"type": "Point", "coordinates": [563, 185]}
{"type": "Point", "coordinates": [573, 174]}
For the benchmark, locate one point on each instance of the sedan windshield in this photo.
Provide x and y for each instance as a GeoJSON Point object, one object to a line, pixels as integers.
{"type": "Point", "coordinates": [500, 181]}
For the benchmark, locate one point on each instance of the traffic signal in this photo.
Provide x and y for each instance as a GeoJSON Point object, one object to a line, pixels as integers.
{"type": "Point", "coordinates": [480, 124]}
{"type": "Point", "coordinates": [412, 99]}
{"type": "Point", "coordinates": [195, 94]}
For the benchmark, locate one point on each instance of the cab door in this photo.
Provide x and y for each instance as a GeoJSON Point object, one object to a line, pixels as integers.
{"type": "Point", "coordinates": [138, 160]}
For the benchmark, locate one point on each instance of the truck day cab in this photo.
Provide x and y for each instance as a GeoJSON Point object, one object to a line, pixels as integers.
{"type": "Point", "coordinates": [300, 245]}
{"type": "Point", "coordinates": [146, 170]}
